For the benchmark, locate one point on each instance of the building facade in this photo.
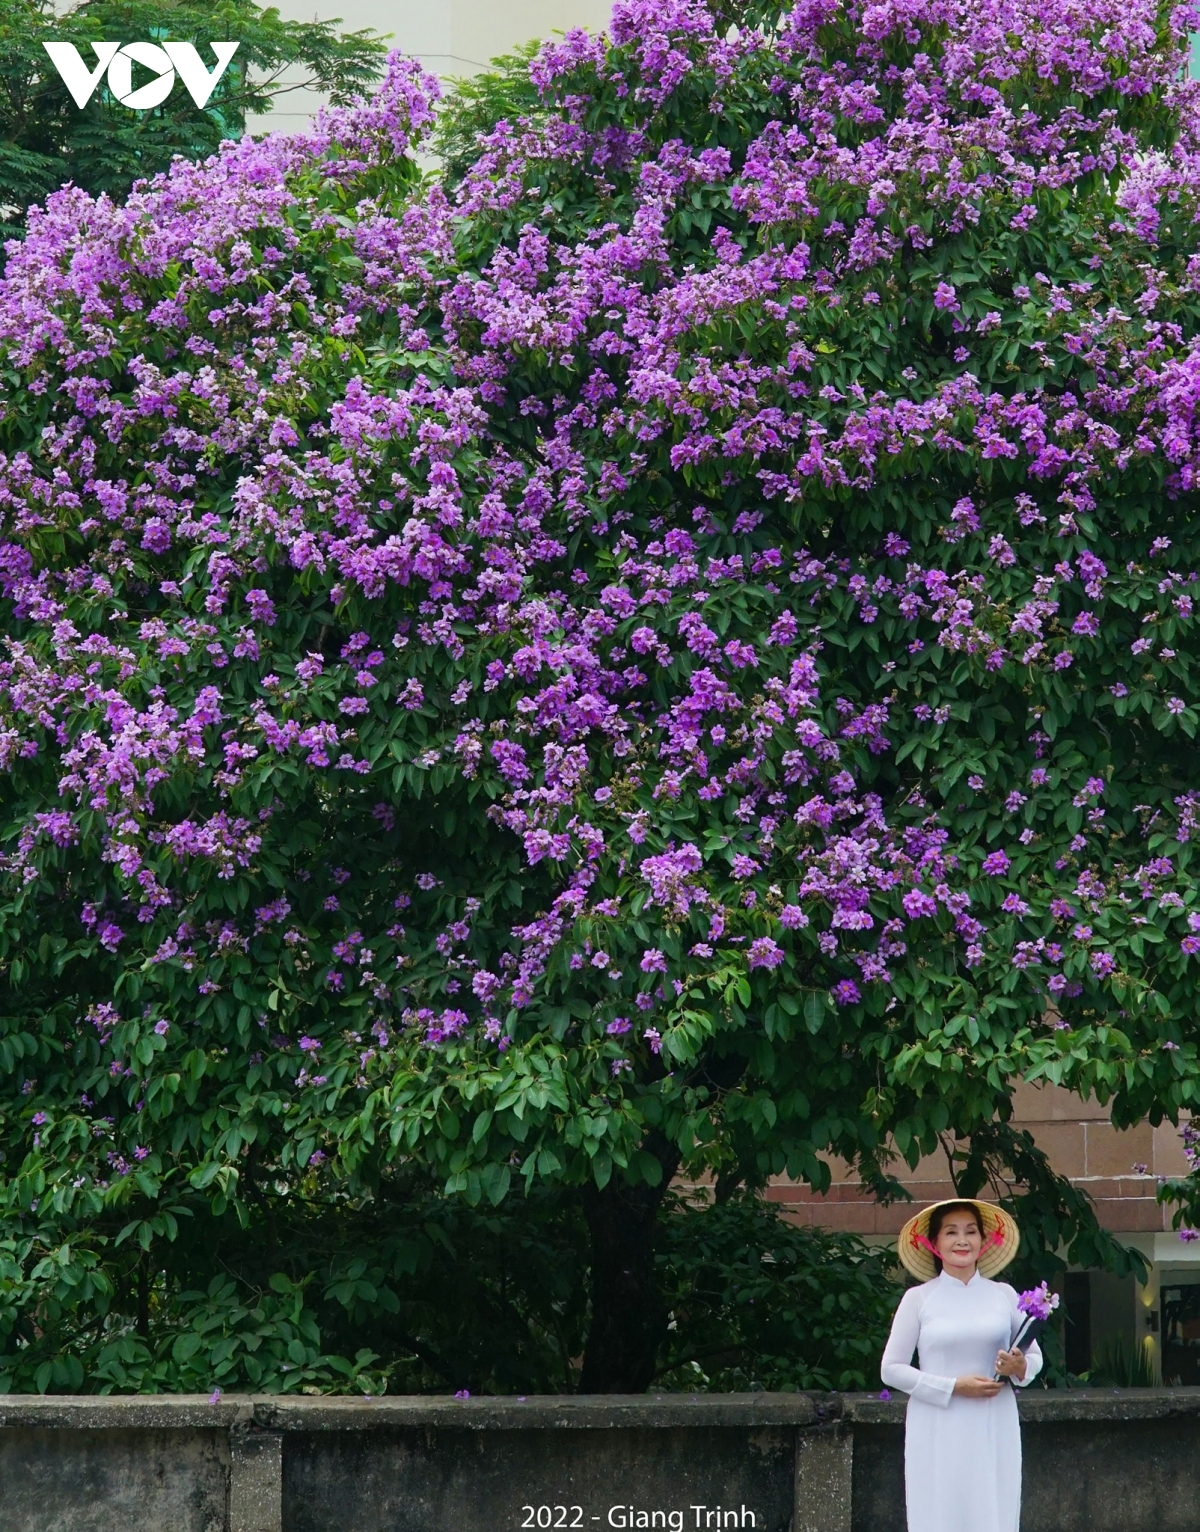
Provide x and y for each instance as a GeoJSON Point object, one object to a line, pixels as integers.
{"type": "Point", "coordinates": [452, 38]}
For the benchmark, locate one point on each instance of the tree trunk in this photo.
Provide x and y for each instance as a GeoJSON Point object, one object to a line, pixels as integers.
{"type": "Point", "coordinates": [628, 1316]}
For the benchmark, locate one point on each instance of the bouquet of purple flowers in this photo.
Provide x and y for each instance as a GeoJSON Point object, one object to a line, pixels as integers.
{"type": "Point", "coordinates": [1037, 1305]}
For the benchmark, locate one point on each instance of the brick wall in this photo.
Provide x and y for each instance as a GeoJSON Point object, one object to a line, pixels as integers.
{"type": "Point", "coordinates": [1118, 1169]}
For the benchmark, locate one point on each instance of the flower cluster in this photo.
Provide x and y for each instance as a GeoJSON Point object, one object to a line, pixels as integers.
{"type": "Point", "coordinates": [1038, 1302]}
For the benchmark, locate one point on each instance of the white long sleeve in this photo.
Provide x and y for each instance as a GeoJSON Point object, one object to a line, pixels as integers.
{"type": "Point", "coordinates": [897, 1370]}
{"type": "Point", "coordinates": [1033, 1364]}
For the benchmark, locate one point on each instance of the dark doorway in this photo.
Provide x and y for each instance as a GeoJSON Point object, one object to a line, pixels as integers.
{"type": "Point", "coordinates": [1181, 1334]}
{"type": "Point", "coordinates": [1077, 1296]}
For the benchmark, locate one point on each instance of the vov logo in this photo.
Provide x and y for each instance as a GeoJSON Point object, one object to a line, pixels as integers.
{"type": "Point", "coordinates": [118, 59]}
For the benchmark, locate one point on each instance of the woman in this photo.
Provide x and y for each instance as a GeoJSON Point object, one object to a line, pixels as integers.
{"type": "Point", "coordinates": [962, 1439]}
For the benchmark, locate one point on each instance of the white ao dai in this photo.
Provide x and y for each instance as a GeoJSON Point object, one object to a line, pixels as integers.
{"type": "Point", "coordinates": [962, 1457]}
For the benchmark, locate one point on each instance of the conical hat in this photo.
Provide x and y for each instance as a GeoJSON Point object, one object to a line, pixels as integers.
{"type": "Point", "coordinates": [1000, 1239]}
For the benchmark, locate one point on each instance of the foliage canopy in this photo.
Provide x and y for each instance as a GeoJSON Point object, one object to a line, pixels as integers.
{"type": "Point", "coordinates": [664, 648]}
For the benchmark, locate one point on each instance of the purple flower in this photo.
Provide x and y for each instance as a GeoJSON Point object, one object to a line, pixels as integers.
{"type": "Point", "coordinates": [845, 992]}
{"type": "Point", "coordinates": [885, 1393]}
{"type": "Point", "coordinates": [1188, 1235]}
{"type": "Point", "coordinates": [653, 961]}
{"type": "Point", "coordinates": [1038, 1302]}
{"type": "Point", "coordinates": [262, 608]}
{"type": "Point", "coordinates": [764, 953]}
{"type": "Point", "coordinates": [916, 904]}
{"type": "Point", "coordinates": [996, 864]}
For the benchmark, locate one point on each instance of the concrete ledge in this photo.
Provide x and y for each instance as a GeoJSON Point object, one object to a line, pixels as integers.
{"type": "Point", "coordinates": [1123, 1460]}
{"type": "Point", "coordinates": [544, 1412]}
{"type": "Point", "coordinates": [1046, 1405]}
{"type": "Point", "coordinates": [124, 1412]}
{"type": "Point", "coordinates": [597, 1412]}
{"type": "Point", "coordinates": [289, 1412]}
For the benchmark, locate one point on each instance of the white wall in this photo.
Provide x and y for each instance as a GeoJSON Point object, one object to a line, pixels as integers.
{"type": "Point", "coordinates": [450, 37]}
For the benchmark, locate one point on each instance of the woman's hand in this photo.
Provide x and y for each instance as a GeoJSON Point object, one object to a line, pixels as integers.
{"type": "Point", "coordinates": [973, 1386]}
{"type": "Point", "coordinates": [1011, 1364]}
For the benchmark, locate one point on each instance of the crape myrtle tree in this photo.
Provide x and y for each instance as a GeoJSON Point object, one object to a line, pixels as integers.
{"type": "Point", "coordinates": [661, 650]}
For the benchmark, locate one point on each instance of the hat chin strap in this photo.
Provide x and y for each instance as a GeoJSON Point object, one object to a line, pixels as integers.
{"type": "Point", "coordinates": [996, 1237]}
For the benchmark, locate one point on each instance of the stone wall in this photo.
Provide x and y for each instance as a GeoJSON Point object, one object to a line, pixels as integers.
{"type": "Point", "coordinates": [1126, 1461]}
